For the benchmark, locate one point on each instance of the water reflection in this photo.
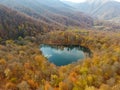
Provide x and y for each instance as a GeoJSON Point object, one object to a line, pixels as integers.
{"type": "Point", "coordinates": [63, 55]}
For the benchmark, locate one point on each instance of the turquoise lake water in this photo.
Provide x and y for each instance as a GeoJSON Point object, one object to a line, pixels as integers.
{"type": "Point", "coordinates": [63, 55]}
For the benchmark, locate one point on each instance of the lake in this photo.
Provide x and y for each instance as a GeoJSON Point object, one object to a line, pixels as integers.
{"type": "Point", "coordinates": [64, 55]}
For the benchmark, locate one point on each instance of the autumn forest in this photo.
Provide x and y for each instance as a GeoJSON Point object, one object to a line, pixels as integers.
{"type": "Point", "coordinates": [26, 24]}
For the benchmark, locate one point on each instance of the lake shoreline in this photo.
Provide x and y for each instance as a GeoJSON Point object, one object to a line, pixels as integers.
{"type": "Point", "coordinates": [63, 55]}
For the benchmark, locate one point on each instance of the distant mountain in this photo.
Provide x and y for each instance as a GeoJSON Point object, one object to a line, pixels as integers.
{"type": "Point", "coordinates": [51, 11]}
{"type": "Point", "coordinates": [14, 24]}
{"type": "Point", "coordinates": [101, 9]}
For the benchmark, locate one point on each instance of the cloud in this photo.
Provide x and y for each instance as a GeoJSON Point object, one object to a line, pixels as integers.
{"type": "Point", "coordinates": [77, 1]}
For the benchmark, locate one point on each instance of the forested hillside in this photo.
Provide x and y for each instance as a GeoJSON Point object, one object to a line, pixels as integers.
{"type": "Point", "coordinates": [14, 24]}
{"type": "Point", "coordinates": [51, 12]}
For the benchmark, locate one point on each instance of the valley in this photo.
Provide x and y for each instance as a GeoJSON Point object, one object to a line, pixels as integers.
{"type": "Point", "coordinates": [59, 45]}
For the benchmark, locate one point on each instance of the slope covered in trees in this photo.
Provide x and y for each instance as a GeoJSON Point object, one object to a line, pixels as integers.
{"type": "Point", "coordinates": [14, 24]}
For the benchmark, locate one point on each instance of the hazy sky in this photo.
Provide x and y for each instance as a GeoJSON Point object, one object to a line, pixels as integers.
{"type": "Point", "coordinates": [81, 0]}
{"type": "Point", "coordinates": [75, 0]}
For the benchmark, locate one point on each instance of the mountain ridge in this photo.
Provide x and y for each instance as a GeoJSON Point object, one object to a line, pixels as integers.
{"type": "Point", "coordinates": [100, 9]}
{"type": "Point", "coordinates": [61, 13]}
